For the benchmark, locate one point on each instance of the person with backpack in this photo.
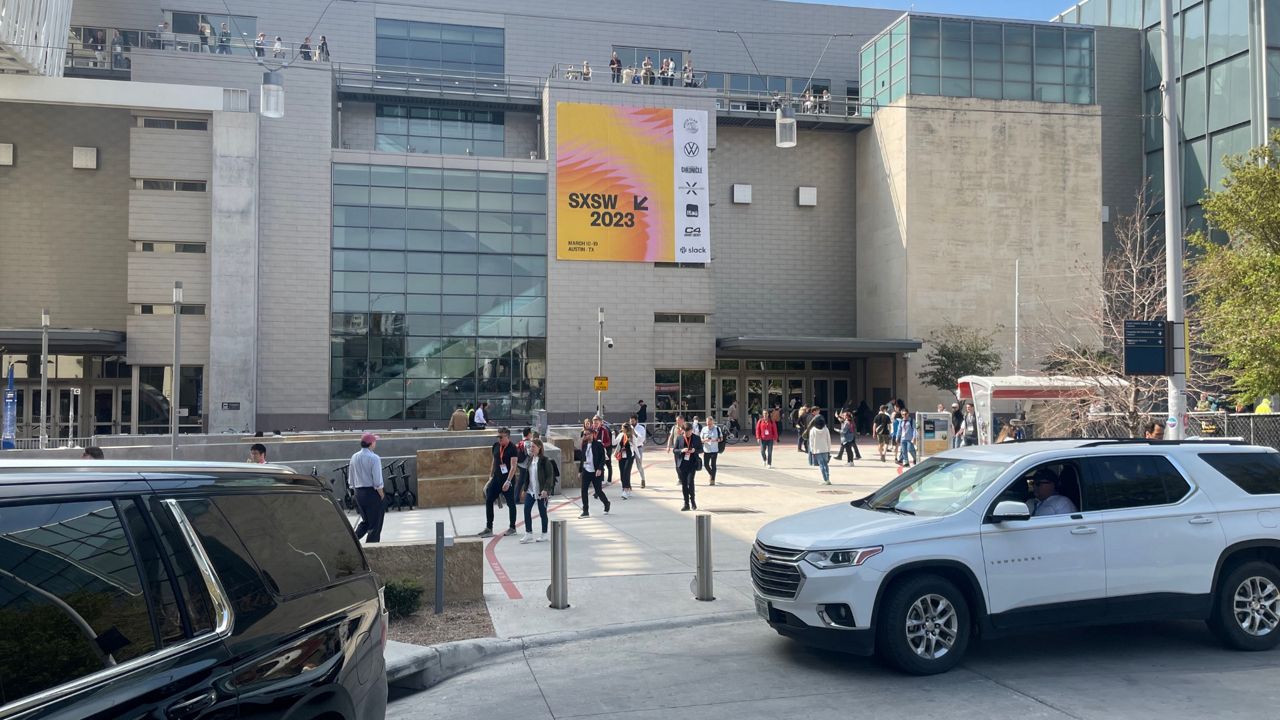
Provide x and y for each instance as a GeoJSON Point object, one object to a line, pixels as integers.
{"type": "Point", "coordinates": [711, 439]}
{"type": "Point", "coordinates": [766, 435]}
{"type": "Point", "coordinates": [536, 485]}
{"type": "Point", "coordinates": [880, 427]}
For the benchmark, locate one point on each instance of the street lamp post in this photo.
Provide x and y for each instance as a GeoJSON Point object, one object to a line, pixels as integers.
{"type": "Point", "coordinates": [1173, 228]}
{"type": "Point", "coordinates": [44, 377]}
{"type": "Point", "coordinates": [600, 364]}
{"type": "Point", "coordinates": [176, 394]}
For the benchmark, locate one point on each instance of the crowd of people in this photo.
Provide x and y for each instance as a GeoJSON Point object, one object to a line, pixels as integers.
{"type": "Point", "coordinates": [665, 73]}
{"type": "Point", "coordinates": [221, 41]}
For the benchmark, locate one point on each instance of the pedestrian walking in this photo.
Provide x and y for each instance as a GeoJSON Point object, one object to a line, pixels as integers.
{"type": "Point", "coordinates": [688, 452]}
{"type": "Point", "coordinates": [626, 457]}
{"type": "Point", "coordinates": [535, 487]}
{"type": "Point", "coordinates": [970, 425]}
{"type": "Point", "coordinates": [502, 481]}
{"type": "Point", "coordinates": [848, 438]}
{"type": "Point", "coordinates": [260, 45]}
{"type": "Point", "coordinates": [863, 417]}
{"type": "Point", "coordinates": [800, 421]}
{"type": "Point", "coordinates": [957, 425]}
{"type": "Point", "coordinates": [322, 52]}
{"type": "Point", "coordinates": [881, 425]}
{"type": "Point", "coordinates": [766, 435]}
{"type": "Point", "coordinates": [258, 454]}
{"type": "Point", "coordinates": [365, 470]}
{"type": "Point", "coordinates": [605, 436]}
{"type": "Point", "coordinates": [641, 434]}
{"type": "Point", "coordinates": [642, 413]}
{"type": "Point", "coordinates": [711, 439]}
{"type": "Point", "coordinates": [895, 432]}
{"type": "Point", "coordinates": [820, 448]}
{"type": "Point", "coordinates": [907, 440]}
{"type": "Point", "coordinates": [593, 472]}
{"type": "Point", "coordinates": [676, 429]}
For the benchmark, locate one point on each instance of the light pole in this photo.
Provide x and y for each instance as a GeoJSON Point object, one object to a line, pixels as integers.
{"type": "Point", "coordinates": [1173, 228]}
{"type": "Point", "coordinates": [600, 361]}
{"type": "Point", "coordinates": [174, 403]}
{"type": "Point", "coordinates": [44, 377]}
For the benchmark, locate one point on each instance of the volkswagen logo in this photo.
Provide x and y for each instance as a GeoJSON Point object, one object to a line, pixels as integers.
{"type": "Point", "coordinates": [691, 149]}
{"type": "Point", "coordinates": [691, 126]}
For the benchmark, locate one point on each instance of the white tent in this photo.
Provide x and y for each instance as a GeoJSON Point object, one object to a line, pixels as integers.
{"type": "Point", "coordinates": [987, 392]}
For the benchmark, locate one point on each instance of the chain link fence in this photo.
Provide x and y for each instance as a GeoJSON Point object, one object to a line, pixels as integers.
{"type": "Point", "coordinates": [1253, 428]}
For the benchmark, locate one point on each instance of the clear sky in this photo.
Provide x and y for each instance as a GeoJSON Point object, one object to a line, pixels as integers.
{"type": "Point", "coordinates": [1015, 9]}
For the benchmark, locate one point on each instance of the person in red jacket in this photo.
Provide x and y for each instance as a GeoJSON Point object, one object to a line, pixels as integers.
{"type": "Point", "coordinates": [766, 433]}
{"type": "Point", "coordinates": [605, 436]}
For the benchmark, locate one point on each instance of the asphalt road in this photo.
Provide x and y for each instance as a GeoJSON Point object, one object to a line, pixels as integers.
{"type": "Point", "coordinates": [744, 670]}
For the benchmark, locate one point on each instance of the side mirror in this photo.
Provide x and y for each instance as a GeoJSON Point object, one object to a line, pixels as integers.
{"type": "Point", "coordinates": [1010, 510]}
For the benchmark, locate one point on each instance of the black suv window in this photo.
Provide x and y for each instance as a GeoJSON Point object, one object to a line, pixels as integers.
{"type": "Point", "coordinates": [71, 596]}
{"type": "Point", "coordinates": [299, 540]}
{"type": "Point", "coordinates": [1124, 481]}
{"type": "Point", "coordinates": [1255, 473]}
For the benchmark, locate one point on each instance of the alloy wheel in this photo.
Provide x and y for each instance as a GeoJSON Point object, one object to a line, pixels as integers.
{"type": "Point", "coordinates": [932, 626]}
{"type": "Point", "coordinates": [1256, 606]}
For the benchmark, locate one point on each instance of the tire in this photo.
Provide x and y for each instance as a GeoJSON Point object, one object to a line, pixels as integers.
{"type": "Point", "coordinates": [1255, 588]}
{"type": "Point", "coordinates": [905, 602]}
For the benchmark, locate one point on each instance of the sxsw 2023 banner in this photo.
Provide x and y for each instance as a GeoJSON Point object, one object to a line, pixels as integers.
{"type": "Point", "coordinates": [631, 184]}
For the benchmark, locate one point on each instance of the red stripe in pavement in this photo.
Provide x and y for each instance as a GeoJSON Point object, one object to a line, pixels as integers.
{"type": "Point", "coordinates": [500, 572]}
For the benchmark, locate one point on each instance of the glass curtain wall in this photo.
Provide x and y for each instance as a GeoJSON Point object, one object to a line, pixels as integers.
{"type": "Point", "coordinates": [957, 57]}
{"type": "Point", "coordinates": [438, 292]}
{"type": "Point", "coordinates": [439, 131]}
{"type": "Point", "coordinates": [452, 49]}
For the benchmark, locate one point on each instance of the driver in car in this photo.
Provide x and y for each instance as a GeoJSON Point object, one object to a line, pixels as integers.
{"type": "Point", "coordinates": [1047, 501]}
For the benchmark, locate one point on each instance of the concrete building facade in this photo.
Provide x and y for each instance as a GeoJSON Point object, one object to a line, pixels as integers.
{"type": "Point", "coordinates": [386, 250]}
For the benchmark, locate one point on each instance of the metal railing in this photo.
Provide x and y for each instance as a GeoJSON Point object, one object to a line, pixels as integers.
{"type": "Point", "coordinates": [630, 76]}
{"type": "Point", "coordinates": [813, 107]}
{"type": "Point", "coordinates": [498, 87]}
{"type": "Point", "coordinates": [1253, 428]}
{"type": "Point", "coordinates": [91, 48]}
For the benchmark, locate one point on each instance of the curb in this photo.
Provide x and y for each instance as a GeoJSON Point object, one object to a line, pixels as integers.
{"type": "Point", "coordinates": [418, 667]}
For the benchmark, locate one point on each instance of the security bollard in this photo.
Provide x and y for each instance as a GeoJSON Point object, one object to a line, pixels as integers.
{"type": "Point", "coordinates": [704, 585]}
{"type": "Point", "coordinates": [439, 567]}
{"type": "Point", "coordinates": [558, 590]}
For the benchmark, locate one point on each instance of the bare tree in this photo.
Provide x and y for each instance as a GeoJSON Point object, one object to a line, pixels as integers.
{"type": "Point", "coordinates": [1086, 339]}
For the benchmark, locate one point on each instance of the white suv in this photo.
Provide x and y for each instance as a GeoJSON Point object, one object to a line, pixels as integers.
{"type": "Point", "coordinates": [995, 538]}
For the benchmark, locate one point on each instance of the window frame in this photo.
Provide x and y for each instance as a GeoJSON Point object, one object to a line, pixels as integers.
{"type": "Point", "coordinates": [223, 614]}
{"type": "Point", "coordinates": [1096, 483]}
{"type": "Point", "coordinates": [1021, 476]}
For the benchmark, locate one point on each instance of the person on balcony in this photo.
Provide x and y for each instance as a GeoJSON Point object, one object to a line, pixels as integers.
{"type": "Point", "coordinates": [646, 70]}
{"type": "Point", "coordinates": [305, 48]}
{"type": "Point", "coordinates": [615, 68]}
{"type": "Point", "coordinates": [322, 53]}
{"type": "Point", "coordinates": [586, 72]}
{"type": "Point", "coordinates": [260, 45]}
{"type": "Point", "coordinates": [277, 50]}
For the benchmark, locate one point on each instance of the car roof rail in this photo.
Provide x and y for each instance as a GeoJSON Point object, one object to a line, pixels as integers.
{"type": "Point", "coordinates": [1102, 442]}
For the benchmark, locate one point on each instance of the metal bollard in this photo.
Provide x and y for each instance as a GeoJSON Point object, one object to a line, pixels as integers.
{"type": "Point", "coordinates": [440, 544]}
{"type": "Point", "coordinates": [704, 588]}
{"type": "Point", "coordinates": [558, 590]}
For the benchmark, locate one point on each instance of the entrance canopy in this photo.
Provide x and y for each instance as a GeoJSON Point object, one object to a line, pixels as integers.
{"type": "Point", "coordinates": [811, 347]}
{"type": "Point", "coordinates": [63, 341]}
{"type": "Point", "coordinates": [987, 394]}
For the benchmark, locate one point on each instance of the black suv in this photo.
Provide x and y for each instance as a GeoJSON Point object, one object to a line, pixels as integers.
{"type": "Point", "coordinates": [180, 591]}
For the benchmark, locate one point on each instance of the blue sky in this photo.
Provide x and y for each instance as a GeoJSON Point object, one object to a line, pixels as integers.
{"type": "Point", "coordinates": [1016, 9]}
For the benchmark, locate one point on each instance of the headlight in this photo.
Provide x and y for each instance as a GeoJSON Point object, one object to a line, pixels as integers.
{"type": "Point", "coordinates": [827, 559]}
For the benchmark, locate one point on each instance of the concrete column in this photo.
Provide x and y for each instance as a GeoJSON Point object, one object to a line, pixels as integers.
{"type": "Point", "coordinates": [233, 260]}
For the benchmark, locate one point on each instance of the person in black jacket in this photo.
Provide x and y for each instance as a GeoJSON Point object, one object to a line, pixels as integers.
{"type": "Point", "coordinates": [642, 413]}
{"type": "Point", "coordinates": [687, 449]}
{"type": "Point", "coordinates": [592, 471]}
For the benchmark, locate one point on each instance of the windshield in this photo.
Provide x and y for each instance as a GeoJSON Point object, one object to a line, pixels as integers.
{"type": "Point", "coordinates": [937, 486]}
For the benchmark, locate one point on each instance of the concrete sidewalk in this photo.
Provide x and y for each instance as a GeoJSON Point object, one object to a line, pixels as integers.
{"type": "Point", "coordinates": [636, 564]}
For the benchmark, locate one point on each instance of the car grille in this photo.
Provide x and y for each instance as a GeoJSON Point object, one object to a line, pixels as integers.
{"type": "Point", "coordinates": [777, 576]}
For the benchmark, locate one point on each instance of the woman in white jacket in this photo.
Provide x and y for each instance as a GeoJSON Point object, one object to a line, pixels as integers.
{"type": "Point", "coordinates": [820, 447]}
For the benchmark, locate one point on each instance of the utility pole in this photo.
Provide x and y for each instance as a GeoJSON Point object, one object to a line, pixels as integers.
{"type": "Point", "coordinates": [1017, 303]}
{"type": "Point", "coordinates": [175, 398]}
{"type": "Point", "coordinates": [600, 364]}
{"type": "Point", "coordinates": [1173, 227]}
{"type": "Point", "coordinates": [44, 378]}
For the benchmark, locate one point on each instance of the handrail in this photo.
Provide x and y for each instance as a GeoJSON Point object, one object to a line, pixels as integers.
{"type": "Point", "coordinates": [629, 75]}
{"type": "Point", "coordinates": [392, 77]}
{"type": "Point", "coordinates": [115, 43]}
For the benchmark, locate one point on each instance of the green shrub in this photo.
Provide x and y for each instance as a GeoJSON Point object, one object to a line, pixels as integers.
{"type": "Point", "coordinates": [404, 597]}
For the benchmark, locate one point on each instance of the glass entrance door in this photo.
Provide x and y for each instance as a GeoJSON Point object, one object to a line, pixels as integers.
{"type": "Point", "coordinates": [775, 397]}
{"type": "Point", "coordinates": [755, 397]}
{"type": "Point", "coordinates": [106, 411]}
{"type": "Point", "coordinates": [726, 395]}
{"type": "Point", "coordinates": [839, 393]}
{"type": "Point", "coordinates": [821, 396]}
{"type": "Point", "coordinates": [67, 425]}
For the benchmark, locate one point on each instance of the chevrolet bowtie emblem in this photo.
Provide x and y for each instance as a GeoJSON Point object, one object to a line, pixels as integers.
{"type": "Point", "coordinates": [761, 555]}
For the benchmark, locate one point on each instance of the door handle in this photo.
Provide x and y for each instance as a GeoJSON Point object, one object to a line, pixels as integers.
{"type": "Point", "coordinates": [1200, 520]}
{"type": "Point", "coordinates": [193, 705]}
{"type": "Point", "coordinates": [1084, 530]}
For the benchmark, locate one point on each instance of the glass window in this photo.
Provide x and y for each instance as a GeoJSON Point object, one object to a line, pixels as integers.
{"type": "Point", "coordinates": [280, 532]}
{"type": "Point", "coordinates": [937, 486]}
{"type": "Point", "coordinates": [71, 595]}
{"type": "Point", "coordinates": [1126, 13]}
{"type": "Point", "coordinates": [1255, 473]}
{"type": "Point", "coordinates": [1229, 93]}
{"type": "Point", "coordinates": [1273, 82]}
{"type": "Point", "coordinates": [1124, 481]}
{"type": "Point", "coordinates": [1195, 177]}
{"type": "Point", "coordinates": [1228, 31]}
{"type": "Point", "coordinates": [1226, 143]}
{"type": "Point", "coordinates": [1153, 64]}
{"type": "Point", "coordinates": [1193, 39]}
{"type": "Point", "coordinates": [1194, 97]}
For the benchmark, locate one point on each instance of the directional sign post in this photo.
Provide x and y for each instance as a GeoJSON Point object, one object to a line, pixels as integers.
{"type": "Point", "coordinates": [1147, 350]}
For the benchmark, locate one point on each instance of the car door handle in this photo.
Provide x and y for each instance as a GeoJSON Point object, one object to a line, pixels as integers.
{"type": "Point", "coordinates": [1200, 520]}
{"type": "Point", "coordinates": [1084, 530]}
{"type": "Point", "coordinates": [193, 705]}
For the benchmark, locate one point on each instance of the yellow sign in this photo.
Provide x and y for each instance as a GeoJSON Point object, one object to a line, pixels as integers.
{"type": "Point", "coordinates": [602, 383]}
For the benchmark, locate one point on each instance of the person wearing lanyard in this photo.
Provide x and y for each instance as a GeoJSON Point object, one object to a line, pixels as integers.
{"type": "Point", "coordinates": [366, 479]}
{"type": "Point", "coordinates": [710, 447]}
{"type": "Point", "coordinates": [535, 486]}
{"type": "Point", "coordinates": [592, 472]}
{"type": "Point", "coordinates": [641, 434]}
{"type": "Point", "coordinates": [502, 482]}
{"type": "Point", "coordinates": [687, 448]}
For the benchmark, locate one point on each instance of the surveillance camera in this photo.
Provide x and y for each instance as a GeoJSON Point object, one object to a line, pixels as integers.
{"type": "Point", "coordinates": [608, 342]}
